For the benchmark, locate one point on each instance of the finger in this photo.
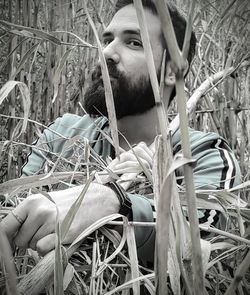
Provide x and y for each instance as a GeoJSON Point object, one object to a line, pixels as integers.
{"type": "Point", "coordinates": [128, 164]}
{"type": "Point", "coordinates": [43, 215]}
{"type": "Point", "coordinates": [46, 244]}
{"type": "Point", "coordinates": [42, 232]}
{"type": "Point", "coordinates": [113, 163]}
{"type": "Point", "coordinates": [130, 157]}
{"type": "Point", "coordinates": [142, 145]}
{"type": "Point", "coordinates": [142, 154]}
{"type": "Point", "coordinates": [11, 223]}
{"type": "Point", "coordinates": [141, 151]}
{"type": "Point", "coordinates": [124, 157]}
{"type": "Point", "coordinates": [26, 232]}
{"type": "Point", "coordinates": [130, 167]}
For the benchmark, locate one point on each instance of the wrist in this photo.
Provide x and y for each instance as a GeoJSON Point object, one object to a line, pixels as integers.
{"type": "Point", "coordinates": [124, 200]}
{"type": "Point", "coordinates": [109, 199]}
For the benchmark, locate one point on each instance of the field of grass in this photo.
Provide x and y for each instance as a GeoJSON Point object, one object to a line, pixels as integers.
{"type": "Point", "coordinates": [47, 52]}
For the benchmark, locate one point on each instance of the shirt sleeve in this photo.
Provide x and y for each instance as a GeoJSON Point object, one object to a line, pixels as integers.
{"type": "Point", "coordinates": [144, 235]}
{"type": "Point", "coordinates": [42, 147]}
{"type": "Point", "coordinates": [215, 164]}
{"type": "Point", "coordinates": [216, 168]}
{"type": "Point", "coordinates": [54, 142]}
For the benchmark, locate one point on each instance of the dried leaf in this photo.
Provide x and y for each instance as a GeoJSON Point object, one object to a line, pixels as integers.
{"type": "Point", "coordinates": [25, 93]}
{"type": "Point", "coordinates": [17, 185]}
{"type": "Point", "coordinates": [27, 30]}
{"type": "Point", "coordinates": [68, 219]}
{"type": "Point", "coordinates": [107, 87]}
{"type": "Point", "coordinates": [68, 275]}
{"type": "Point", "coordinates": [58, 71]}
{"type": "Point", "coordinates": [58, 266]}
{"type": "Point", "coordinates": [133, 257]}
{"type": "Point", "coordinates": [26, 56]}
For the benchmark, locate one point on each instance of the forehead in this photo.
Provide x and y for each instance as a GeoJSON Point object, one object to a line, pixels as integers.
{"type": "Point", "coordinates": [126, 19]}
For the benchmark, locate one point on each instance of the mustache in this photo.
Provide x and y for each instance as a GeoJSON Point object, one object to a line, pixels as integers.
{"type": "Point", "coordinates": [112, 69]}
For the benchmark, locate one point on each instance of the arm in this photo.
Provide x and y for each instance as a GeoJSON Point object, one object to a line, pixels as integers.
{"type": "Point", "coordinates": [216, 166]}
{"type": "Point", "coordinates": [38, 215]}
{"type": "Point", "coordinates": [37, 205]}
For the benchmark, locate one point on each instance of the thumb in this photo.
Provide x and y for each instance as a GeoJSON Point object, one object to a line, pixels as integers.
{"type": "Point", "coordinates": [46, 244]}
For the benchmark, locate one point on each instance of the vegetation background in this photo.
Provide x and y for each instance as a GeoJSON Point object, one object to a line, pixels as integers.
{"type": "Point", "coordinates": [55, 68]}
{"type": "Point", "coordinates": [56, 72]}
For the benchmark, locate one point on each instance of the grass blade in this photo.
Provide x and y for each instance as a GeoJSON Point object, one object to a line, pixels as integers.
{"type": "Point", "coordinates": [38, 33]}
{"type": "Point", "coordinates": [14, 186]}
{"type": "Point", "coordinates": [179, 61]}
{"type": "Point", "coordinates": [58, 71]}
{"type": "Point", "coordinates": [107, 86]}
{"type": "Point", "coordinates": [24, 90]}
{"type": "Point", "coordinates": [67, 221]}
{"type": "Point", "coordinates": [133, 257]}
{"type": "Point", "coordinates": [24, 59]}
{"type": "Point", "coordinates": [58, 266]}
{"type": "Point", "coordinates": [6, 257]}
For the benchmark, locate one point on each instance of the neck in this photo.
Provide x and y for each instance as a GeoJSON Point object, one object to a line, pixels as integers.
{"type": "Point", "coordinates": [142, 127]}
{"type": "Point", "coordinates": [137, 128]}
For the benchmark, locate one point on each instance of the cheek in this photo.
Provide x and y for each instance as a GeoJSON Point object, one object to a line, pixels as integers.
{"type": "Point", "coordinates": [136, 67]}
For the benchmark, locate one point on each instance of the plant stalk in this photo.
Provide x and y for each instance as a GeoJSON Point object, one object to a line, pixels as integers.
{"type": "Point", "coordinates": [198, 276]}
{"type": "Point", "coordinates": [179, 68]}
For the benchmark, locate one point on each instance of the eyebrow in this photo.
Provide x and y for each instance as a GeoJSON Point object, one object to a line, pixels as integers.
{"type": "Point", "coordinates": [125, 32]}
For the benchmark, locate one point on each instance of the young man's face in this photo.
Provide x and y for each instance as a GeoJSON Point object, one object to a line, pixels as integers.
{"type": "Point", "coordinates": [127, 65]}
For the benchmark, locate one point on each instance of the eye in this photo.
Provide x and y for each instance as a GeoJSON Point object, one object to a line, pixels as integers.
{"type": "Point", "coordinates": [106, 41]}
{"type": "Point", "coordinates": [134, 43]}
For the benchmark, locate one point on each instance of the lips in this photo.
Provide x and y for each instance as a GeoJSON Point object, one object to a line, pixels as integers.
{"type": "Point", "coordinates": [110, 77]}
{"type": "Point", "coordinates": [97, 74]}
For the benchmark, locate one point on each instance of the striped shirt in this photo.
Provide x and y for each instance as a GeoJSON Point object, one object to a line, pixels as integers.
{"type": "Point", "coordinates": [215, 164]}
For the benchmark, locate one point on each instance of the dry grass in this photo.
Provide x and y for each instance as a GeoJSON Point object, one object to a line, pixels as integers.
{"type": "Point", "coordinates": [54, 67]}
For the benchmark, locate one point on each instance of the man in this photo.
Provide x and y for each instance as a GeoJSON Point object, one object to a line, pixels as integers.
{"type": "Point", "coordinates": [32, 223]}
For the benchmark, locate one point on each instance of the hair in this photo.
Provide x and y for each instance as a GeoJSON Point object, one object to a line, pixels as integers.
{"type": "Point", "coordinates": [179, 24]}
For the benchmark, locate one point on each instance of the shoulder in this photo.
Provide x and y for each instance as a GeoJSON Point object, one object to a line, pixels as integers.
{"type": "Point", "coordinates": [85, 120]}
{"type": "Point", "coordinates": [216, 165]}
{"type": "Point", "coordinates": [70, 124]}
{"type": "Point", "coordinates": [198, 139]}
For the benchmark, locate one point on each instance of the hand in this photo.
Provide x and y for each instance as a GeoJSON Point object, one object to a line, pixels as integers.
{"type": "Point", "coordinates": [38, 213]}
{"type": "Point", "coordinates": [128, 166]}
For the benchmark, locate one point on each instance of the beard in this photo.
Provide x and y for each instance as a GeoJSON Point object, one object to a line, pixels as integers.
{"type": "Point", "coordinates": [130, 97]}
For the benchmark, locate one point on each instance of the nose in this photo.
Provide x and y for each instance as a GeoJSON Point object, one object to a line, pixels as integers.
{"type": "Point", "coordinates": [111, 52]}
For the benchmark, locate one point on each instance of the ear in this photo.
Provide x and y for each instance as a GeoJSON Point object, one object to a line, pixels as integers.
{"type": "Point", "coordinates": [170, 78]}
